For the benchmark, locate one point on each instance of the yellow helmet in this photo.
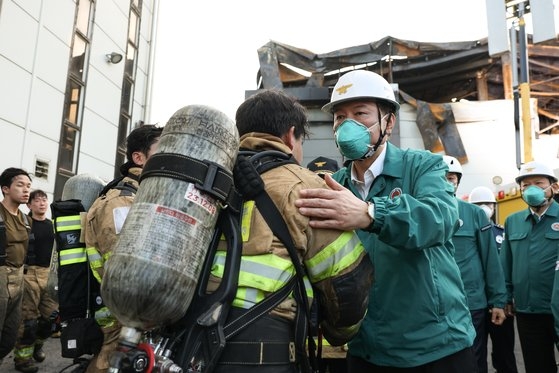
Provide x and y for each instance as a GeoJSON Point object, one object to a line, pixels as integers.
{"type": "Point", "coordinates": [361, 84]}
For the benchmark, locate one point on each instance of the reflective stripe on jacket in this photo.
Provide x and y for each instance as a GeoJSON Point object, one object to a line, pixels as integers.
{"type": "Point", "coordinates": [336, 262]}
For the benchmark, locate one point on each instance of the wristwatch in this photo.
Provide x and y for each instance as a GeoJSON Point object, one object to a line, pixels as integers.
{"type": "Point", "coordinates": [371, 211]}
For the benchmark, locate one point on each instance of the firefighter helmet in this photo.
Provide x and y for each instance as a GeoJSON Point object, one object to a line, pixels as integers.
{"type": "Point", "coordinates": [361, 84]}
{"type": "Point", "coordinates": [482, 194]}
{"type": "Point", "coordinates": [535, 168]}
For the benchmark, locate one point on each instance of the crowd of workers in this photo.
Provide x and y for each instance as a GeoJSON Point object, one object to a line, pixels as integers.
{"type": "Point", "coordinates": [405, 277]}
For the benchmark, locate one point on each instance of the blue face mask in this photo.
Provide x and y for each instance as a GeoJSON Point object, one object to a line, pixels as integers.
{"type": "Point", "coordinates": [534, 196]}
{"type": "Point", "coordinates": [354, 139]}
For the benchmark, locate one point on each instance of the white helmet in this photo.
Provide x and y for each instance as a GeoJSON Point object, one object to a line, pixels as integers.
{"type": "Point", "coordinates": [453, 164]}
{"type": "Point", "coordinates": [535, 168]}
{"type": "Point", "coordinates": [481, 194]}
{"type": "Point", "coordinates": [361, 84]}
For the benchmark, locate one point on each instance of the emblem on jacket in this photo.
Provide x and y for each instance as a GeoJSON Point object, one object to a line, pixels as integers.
{"type": "Point", "coordinates": [396, 192]}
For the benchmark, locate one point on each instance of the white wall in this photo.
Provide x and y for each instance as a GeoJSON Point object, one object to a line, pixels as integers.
{"type": "Point", "coordinates": [487, 132]}
{"type": "Point", "coordinates": [35, 40]}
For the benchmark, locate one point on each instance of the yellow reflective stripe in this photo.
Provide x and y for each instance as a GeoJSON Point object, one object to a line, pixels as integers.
{"type": "Point", "coordinates": [24, 352]}
{"type": "Point", "coordinates": [72, 256]}
{"type": "Point", "coordinates": [267, 272]}
{"type": "Point", "coordinates": [258, 276]}
{"type": "Point", "coordinates": [104, 317]}
{"type": "Point", "coordinates": [242, 298]}
{"type": "Point", "coordinates": [309, 289]}
{"type": "Point", "coordinates": [68, 223]}
{"type": "Point", "coordinates": [325, 343]}
{"type": "Point", "coordinates": [335, 257]}
{"type": "Point", "coordinates": [248, 210]}
{"type": "Point", "coordinates": [95, 262]}
{"type": "Point", "coordinates": [94, 257]}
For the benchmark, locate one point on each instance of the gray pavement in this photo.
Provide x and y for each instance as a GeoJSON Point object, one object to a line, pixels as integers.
{"type": "Point", "coordinates": [55, 363]}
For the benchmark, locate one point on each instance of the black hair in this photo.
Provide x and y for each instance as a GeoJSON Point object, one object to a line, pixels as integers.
{"type": "Point", "coordinates": [37, 193]}
{"type": "Point", "coordinates": [141, 139]}
{"type": "Point", "coordinates": [274, 112]}
{"type": "Point", "coordinates": [7, 177]}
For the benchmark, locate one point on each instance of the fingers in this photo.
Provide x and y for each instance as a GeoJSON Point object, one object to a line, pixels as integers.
{"type": "Point", "coordinates": [307, 194]}
{"type": "Point", "coordinates": [326, 224]}
{"type": "Point", "coordinates": [497, 316]}
{"type": "Point", "coordinates": [333, 183]}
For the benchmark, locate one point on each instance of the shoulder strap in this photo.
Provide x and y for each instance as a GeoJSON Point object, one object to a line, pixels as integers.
{"type": "Point", "coordinates": [251, 186]}
{"type": "Point", "coordinates": [126, 189]}
{"type": "Point", "coordinates": [111, 185]}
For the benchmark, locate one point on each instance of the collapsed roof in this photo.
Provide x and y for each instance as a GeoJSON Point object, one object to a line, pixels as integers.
{"type": "Point", "coordinates": [431, 72]}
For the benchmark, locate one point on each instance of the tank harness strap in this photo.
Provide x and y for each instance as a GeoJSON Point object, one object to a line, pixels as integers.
{"type": "Point", "coordinates": [247, 172]}
{"type": "Point", "coordinates": [207, 176]}
{"type": "Point", "coordinates": [126, 189]}
{"type": "Point", "coordinates": [30, 258]}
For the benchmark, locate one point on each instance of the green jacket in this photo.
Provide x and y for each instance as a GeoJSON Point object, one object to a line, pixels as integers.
{"type": "Point", "coordinates": [529, 254]}
{"type": "Point", "coordinates": [417, 309]}
{"type": "Point", "coordinates": [478, 259]}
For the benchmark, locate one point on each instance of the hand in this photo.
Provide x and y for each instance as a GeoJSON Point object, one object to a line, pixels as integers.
{"type": "Point", "coordinates": [509, 310]}
{"type": "Point", "coordinates": [497, 316]}
{"type": "Point", "coordinates": [335, 208]}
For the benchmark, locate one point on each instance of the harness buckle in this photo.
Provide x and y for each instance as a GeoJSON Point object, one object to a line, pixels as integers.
{"type": "Point", "coordinates": [291, 352]}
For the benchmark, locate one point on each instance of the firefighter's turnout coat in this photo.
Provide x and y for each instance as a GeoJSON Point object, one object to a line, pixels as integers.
{"type": "Point", "coordinates": [336, 263]}
{"type": "Point", "coordinates": [105, 219]}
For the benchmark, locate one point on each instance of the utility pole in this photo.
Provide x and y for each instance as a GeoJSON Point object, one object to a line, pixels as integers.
{"type": "Point", "coordinates": [513, 12]}
{"type": "Point", "coordinates": [524, 86]}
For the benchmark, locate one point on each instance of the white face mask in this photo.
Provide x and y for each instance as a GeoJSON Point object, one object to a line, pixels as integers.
{"type": "Point", "coordinates": [488, 210]}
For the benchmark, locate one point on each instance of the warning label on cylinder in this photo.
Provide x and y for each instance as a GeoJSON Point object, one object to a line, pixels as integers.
{"type": "Point", "coordinates": [201, 199]}
{"type": "Point", "coordinates": [175, 214]}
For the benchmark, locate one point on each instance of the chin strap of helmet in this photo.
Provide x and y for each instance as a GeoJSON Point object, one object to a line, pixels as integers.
{"type": "Point", "coordinates": [375, 147]}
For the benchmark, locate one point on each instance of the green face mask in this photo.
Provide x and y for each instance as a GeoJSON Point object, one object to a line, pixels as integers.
{"type": "Point", "coordinates": [534, 196]}
{"type": "Point", "coordinates": [354, 139]}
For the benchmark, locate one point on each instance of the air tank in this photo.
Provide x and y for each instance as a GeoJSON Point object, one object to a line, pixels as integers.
{"type": "Point", "coordinates": [85, 187]}
{"type": "Point", "coordinates": [150, 278]}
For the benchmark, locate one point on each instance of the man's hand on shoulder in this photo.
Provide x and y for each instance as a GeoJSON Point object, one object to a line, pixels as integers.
{"type": "Point", "coordinates": [334, 208]}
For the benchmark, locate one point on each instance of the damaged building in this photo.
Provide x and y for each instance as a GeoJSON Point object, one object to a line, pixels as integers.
{"type": "Point", "coordinates": [430, 78]}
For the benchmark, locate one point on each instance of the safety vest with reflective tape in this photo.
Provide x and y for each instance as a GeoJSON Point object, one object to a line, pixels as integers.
{"type": "Point", "coordinates": [72, 260]}
{"type": "Point", "coordinates": [262, 274]}
{"type": "Point", "coordinates": [70, 249]}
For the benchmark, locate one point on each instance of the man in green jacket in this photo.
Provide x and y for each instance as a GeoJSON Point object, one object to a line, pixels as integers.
{"type": "Point", "coordinates": [478, 259]}
{"type": "Point", "coordinates": [529, 254]}
{"type": "Point", "coordinates": [417, 319]}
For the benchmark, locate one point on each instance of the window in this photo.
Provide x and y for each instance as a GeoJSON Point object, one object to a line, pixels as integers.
{"type": "Point", "coordinates": [127, 97]}
{"type": "Point", "coordinates": [74, 96]}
